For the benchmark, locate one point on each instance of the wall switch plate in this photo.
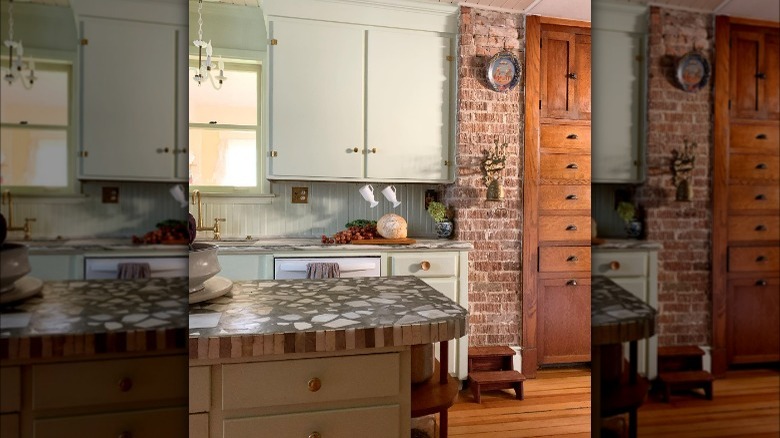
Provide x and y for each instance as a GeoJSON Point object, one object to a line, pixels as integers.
{"type": "Point", "coordinates": [300, 195]}
{"type": "Point", "coordinates": [110, 195]}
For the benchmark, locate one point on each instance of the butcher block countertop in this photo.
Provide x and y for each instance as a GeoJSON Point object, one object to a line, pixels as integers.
{"type": "Point", "coordinates": [72, 319]}
{"type": "Point", "coordinates": [286, 317]}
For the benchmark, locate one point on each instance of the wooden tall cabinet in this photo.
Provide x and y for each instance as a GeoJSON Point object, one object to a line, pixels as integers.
{"type": "Point", "coordinates": [556, 235]}
{"type": "Point", "coordinates": [746, 195]}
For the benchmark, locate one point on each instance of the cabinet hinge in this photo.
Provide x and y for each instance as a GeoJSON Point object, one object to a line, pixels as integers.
{"type": "Point", "coordinates": [83, 154]}
{"type": "Point", "coordinates": [84, 41]}
{"type": "Point", "coordinates": [274, 42]}
{"type": "Point", "coordinates": [273, 153]}
{"type": "Point", "coordinates": [450, 57]}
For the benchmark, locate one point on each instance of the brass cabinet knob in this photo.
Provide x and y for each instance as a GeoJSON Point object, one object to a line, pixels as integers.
{"type": "Point", "coordinates": [571, 283]}
{"type": "Point", "coordinates": [761, 137]}
{"type": "Point", "coordinates": [760, 259]}
{"type": "Point", "coordinates": [425, 265]}
{"type": "Point", "coordinates": [572, 136]}
{"type": "Point", "coordinates": [760, 197]}
{"type": "Point", "coordinates": [274, 153]}
{"type": "Point", "coordinates": [355, 150]}
{"type": "Point", "coordinates": [614, 265]}
{"type": "Point", "coordinates": [125, 384]}
{"type": "Point", "coordinates": [571, 228]}
{"type": "Point", "coordinates": [571, 197]}
{"type": "Point", "coordinates": [373, 150]}
{"type": "Point", "coordinates": [573, 166]}
{"type": "Point", "coordinates": [572, 258]}
{"type": "Point", "coordinates": [315, 435]}
{"type": "Point", "coordinates": [761, 166]}
{"type": "Point", "coordinates": [314, 384]}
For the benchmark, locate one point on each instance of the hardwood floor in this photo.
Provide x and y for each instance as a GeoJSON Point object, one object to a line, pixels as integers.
{"type": "Point", "coordinates": [557, 404]}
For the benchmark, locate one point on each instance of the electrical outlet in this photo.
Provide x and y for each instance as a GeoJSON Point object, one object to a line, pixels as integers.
{"type": "Point", "coordinates": [110, 195]}
{"type": "Point", "coordinates": [300, 195]}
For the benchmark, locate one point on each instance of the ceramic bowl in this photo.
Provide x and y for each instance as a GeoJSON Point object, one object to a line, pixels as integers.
{"type": "Point", "coordinates": [14, 264]}
{"type": "Point", "coordinates": [203, 264]}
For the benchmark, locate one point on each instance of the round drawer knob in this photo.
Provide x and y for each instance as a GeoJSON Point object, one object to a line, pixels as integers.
{"type": "Point", "coordinates": [314, 384]}
{"type": "Point", "coordinates": [125, 434]}
{"type": "Point", "coordinates": [614, 265]}
{"type": "Point", "coordinates": [425, 265]}
{"type": "Point", "coordinates": [315, 435]}
{"type": "Point", "coordinates": [126, 384]}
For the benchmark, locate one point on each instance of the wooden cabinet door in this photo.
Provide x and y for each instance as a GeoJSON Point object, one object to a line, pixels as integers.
{"type": "Point", "coordinates": [752, 320]}
{"type": "Point", "coordinates": [408, 105]}
{"type": "Point", "coordinates": [128, 99]}
{"type": "Point", "coordinates": [755, 73]}
{"type": "Point", "coordinates": [565, 74]}
{"type": "Point", "coordinates": [564, 309]}
{"type": "Point", "coordinates": [316, 97]}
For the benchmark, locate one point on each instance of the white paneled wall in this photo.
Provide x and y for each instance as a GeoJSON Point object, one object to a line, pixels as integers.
{"type": "Point", "coordinates": [330, 206]}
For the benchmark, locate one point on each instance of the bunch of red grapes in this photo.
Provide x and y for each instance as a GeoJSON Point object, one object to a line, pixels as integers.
{"type": "Point", "coordinates": [357, 232]}
{"type": "Point", "coordinates": [169, 231]}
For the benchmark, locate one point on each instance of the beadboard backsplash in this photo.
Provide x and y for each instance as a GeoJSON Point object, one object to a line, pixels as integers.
{"type": "Point", "coordinates": [330, 206]}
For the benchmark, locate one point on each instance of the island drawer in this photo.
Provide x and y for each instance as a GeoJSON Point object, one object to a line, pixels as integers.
{"type": "Point", "coordinates": [761, 228]}
{"type": "Point", "coordinates": [754, 167]}
{"type": "Point", "coordinates": [564, 259]}
{"type": "Point", "coordinates": [754, 197]}
{"type": "Point", "coordinates": [620, 263]}
{"type": "Point", "coordinates": [565, 138]}
{"type": "Point", "coordinates": [10, 387]}
{"type": "Point", "coordinates": [151, 423]}
{"type": "Point", "coordinates": [424, 264]}
{"type": "Point", "coordinates": [564, 229]}
{"type": "Point", "coordinates": [763, 138]}
{"type": "Point", "coordinates": [200, 389]}
{"type": "Point", "coordinates": [110, 381]}
{"type": "Point", "coordinates": [754, 259]}
{"type": "Point", "coordinates": [321, 380]}
{"type": "Point", "coordinates": [374, 422]}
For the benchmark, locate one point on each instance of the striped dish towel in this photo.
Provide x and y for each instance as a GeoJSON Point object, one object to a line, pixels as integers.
{"type": "Point", "coordinates": [322, 270]}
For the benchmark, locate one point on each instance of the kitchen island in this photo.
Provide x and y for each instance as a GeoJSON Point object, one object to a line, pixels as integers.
{"type": "Point", "coordinates": [312, 357]}
{"type": "Point", "coordinates": [102, 355]}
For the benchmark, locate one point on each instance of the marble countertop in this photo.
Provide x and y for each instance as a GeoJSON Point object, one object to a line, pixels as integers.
{"type": "Point", "coordinates": [617, 315]}
{"type": "Point", "coordinates": [627, 244]}
{"type": "Point", "coordinates": [76, 318]}
{"type": "Point", "coordinates": [277, 317]}
{"type": "Point", "coordinates": [283, 244]}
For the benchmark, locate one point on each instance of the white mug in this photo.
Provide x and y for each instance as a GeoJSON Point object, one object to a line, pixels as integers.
{"type": "Point", "coordinates": [389, 193]}
{"type": "Point", "coordinates": [177, 192]}
{"type": "Point", "coordinates": [367, 192]}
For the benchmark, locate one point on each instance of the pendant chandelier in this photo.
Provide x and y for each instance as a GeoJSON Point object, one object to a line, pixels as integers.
{"type": "Point", "coordinates": [204, 70]}
{"type": "Point", "coordinates": [16, 65]}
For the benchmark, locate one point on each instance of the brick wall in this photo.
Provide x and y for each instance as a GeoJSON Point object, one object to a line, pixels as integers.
{"type": "Point", "coordinates": [495, 228]}
{"type": "Point", "coordinates": [684, 228]}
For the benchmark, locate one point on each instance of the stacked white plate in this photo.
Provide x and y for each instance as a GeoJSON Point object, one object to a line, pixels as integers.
{"type": "Point", "coordinates": [15, 284]}
{"type": "Point", "coordinates": [204, 285]}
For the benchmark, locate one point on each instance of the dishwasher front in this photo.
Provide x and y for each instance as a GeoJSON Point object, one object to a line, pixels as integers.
{"type": "Point", "coordinates": [363, 266]}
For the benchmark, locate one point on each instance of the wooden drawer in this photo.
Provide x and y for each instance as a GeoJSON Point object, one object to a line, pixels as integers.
{"type": "Point", "coordinates": [620, 263]}
{"type": "Point", "coordinates": [764, 138]}
{"type": "Point", "coordinates": [438, 264]}
{"type": "Point", "coordinates": [9, 426]}
{"type": "Point", "coordinates": [110, 381]}
{"type": "Point", "coordinates": [565, 138]}
{"type": "Point", "coordinates": [756, 258]}
{"type": "Point", "coordinates": [565, 167]}
{"type": "Point", "coordinates": [10, 389]}
{"type": "Point", "coordinates": [763, 227]}
{"type": "Point", "coordinates": [564, 229]}
{"type": "Point", "coordinates": [564, 259]}
{"type": "Point", "coordinates": [564, 197]}
{"type": "Point", "coordinates": [200, 389]}
{"type": "Point", "coordinates": [750, 197]}
{"type": "Point", "coordinates": [288, 382]}
{"type": "Point", "coordinates": [754, 167]}
{"type": "Point", "coordinates": [199, 426]}
{"type": "Point", "coordinates": [374, 422]}
{"type": "Point", "coordinates": [155, 423]}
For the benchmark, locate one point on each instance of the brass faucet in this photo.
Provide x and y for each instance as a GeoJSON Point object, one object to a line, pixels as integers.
{"type": "Point", "coordinates": [200, 227]}
{"type": "Point", "coordinates": [8, 199]}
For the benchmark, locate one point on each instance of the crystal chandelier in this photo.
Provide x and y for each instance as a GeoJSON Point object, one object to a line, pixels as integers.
{"type": "Point", "coordinates": [16, 65]}
{"type": "Point", "coordinates": [203, 72]}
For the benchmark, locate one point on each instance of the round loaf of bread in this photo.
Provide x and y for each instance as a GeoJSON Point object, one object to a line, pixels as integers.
{"type": "Point", "coordinates": [391, 226]}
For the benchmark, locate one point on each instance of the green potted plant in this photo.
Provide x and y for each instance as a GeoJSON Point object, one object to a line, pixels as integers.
{"type": "Point", "coordinates": [627, 212]}
{"type": "Point", "coordinates": [440, 215]}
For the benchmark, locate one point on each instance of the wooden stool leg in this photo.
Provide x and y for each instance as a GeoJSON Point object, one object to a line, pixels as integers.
{"type": "Point", "coordinates": [667, 392]}
{"type": "Point", "coordinates": [708, 390]}
{"type": "Point", "coordinates": [632, 423]}
{"type": "Point", "coordinates": [519, 390]}
{"type": "Point", "coordinates": [475, 391]}
{"type": "Point", "coordinates": [443, 424]}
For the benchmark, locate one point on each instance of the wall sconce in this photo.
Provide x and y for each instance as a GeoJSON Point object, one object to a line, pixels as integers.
{"type": "Point", "coordinates": [682, 166]}
{"type": "Point", "coordinates": [492, 166]}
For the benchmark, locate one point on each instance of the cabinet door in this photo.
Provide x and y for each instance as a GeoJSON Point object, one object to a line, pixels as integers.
{"type": "Point", "coordinates": [246, 266]}
{"type": "Point", "coordinates": [752, 327]}
{"type": "Point", "coordinates": [316, 87]}
{"type": "Point", "coordinates": [564, 307]}
{"type": "Point", "coordinates": [755, 73]}
{"type": "Point", "coordinates": [408, 105]}
{"type": "Point", "coordinates": [56, 267]}
{"type": "Point", "coordinates": [565, 75]}
{"type": "Point", "coordinates": [128, 99]}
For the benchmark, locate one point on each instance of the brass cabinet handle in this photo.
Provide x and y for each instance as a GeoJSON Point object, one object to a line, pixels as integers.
{"type": "Point", "coordinates": [314, 384]}
{"type": "Point", "coordinates": [761, 166]}
{"type": "Point", "coordinates": [571, 283]}
{"type": "Point", "coordinates": [572, 75]}
{"type": "Point", "coordinates": [125, 384]}
{"type": "Point", "coordinates": [315, 435]}
{"type": "Point", "coordinates": [760, 259]}
{"type": "Point", "coordinates": [760, 228]}
{"type": "Point", "coordinates": [425, 265]}
{"type": "Point", "coordinates": [761, 75]}
{"type": "Point", "coordinates": [572, 258]}
{"type": "Point", "coordinates": [760, 197]}
{"type": "Point", "coordinates": [573, 166]}
{"type": "Point", "coordinates": [572, 136]}
{"type": "Point", "coordinates": [571, 197]}
{"type": "Point", "coordinates": [355, 150]}
{"type": "Point", "coordinates": [761, 137]}
{"type": "Point", "coordinates": [761, 283]}
{"type": "Point", "coordinates": [571, 228]}
{"type": "Point", "coordinates": [614, 265]}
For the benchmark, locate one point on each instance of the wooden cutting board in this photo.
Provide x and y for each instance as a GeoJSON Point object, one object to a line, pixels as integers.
{"type": "Point", "coordinates": [383, 241]}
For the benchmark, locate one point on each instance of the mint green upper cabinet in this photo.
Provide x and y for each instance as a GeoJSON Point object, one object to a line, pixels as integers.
{"type": "Point", "coordinates": [316, 99]}
{"type": "Point", "coordinates": [619, 90]}
{"type": "Point", "coordinates": [132, 111]}
{"type": "Point", "coordinates": [408, 105]}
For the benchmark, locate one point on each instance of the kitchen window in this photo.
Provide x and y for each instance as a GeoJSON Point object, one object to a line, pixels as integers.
{"type": "Point", "coordinates": [35, 131]}
{"type": "Point", "coordinates": [224, 132]}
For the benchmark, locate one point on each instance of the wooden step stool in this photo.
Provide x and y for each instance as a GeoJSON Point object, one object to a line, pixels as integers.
{"type": "Point", "coordinates": [490, 368]}
{"type": "Point", "coordinates": [681, 367]}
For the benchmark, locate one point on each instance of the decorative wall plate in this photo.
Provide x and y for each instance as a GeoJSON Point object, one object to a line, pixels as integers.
{"type": "Point", "coordinates": [503, 71]}
{"type": "Point", "coordinates": [693, 72]}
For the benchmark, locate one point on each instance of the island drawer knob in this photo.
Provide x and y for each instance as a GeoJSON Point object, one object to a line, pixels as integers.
{"type": "Point", "coordinates": [614, 265]}
{"type": "Point", "coordinates": [315, 435]}
{"type": "Point", "coordinates": [425, 265]}
{"type": "Point", "coordinates": [315, 384]}
{"type": "Point", "coordinates": [761, 228]}
{"type": "Point", "coordinates": [761, 137]}
{"type": "Point", "coordinates": [761, 166]}
{"type": "Point", "coordinates": [355, 149]}
{"type": "Point", "coordinates": [125, 384]}
{"type": "Point", "coordinates": [760, 197]}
